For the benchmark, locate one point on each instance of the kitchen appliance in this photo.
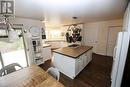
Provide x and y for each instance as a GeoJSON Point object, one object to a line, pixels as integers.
{"type": "Point", "coordinates": [126, 75]}
{"type": "Point", "coordinates": [121, 51]}
{"type": "Point", "coordinates": [119, 58]}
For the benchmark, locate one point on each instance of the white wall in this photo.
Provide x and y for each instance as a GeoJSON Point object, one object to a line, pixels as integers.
{"type": "Point", "coordinates": [100, 34]}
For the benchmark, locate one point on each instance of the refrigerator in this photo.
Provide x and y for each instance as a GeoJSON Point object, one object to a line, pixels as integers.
{"type": "Point", "coordinates": [121, 52]}
{"type": "Point", "coordinates": [119, 58]}
{"type": "Point", "coordinates": [126, 75]}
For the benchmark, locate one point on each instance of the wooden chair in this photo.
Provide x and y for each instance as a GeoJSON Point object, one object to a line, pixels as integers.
{"type": "Point", "coordinates": [54, 72]}
{"type": "Point", "coordinates": [9, 69]}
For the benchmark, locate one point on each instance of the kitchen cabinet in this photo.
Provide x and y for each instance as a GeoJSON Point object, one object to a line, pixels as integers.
{"type": "Point", "coordinates": [89, 55]}
{"type": "Point", "coordinates": [46, 52]}
{"type": "Point", "coordinates": [70, 66]}
{"type": "Point", "coordinates": [85, 59]}
{"type": "Point", "coordinates": [79, 64]}
{"type": "Point", "coordinates": [37, 51]}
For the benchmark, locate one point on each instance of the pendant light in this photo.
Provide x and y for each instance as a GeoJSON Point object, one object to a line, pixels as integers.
{"type": "Point", "coordinates": [73, 33]}
{"type": "Point", "coordinates": [12, 34]}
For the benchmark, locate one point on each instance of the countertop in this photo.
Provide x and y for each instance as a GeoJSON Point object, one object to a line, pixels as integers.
{"type": "Point", "coordinates": [55, 40]}
{"type": "Point", "coordinates": [73, 52]}
{"type": "Point", "coordinates": [46, 45]}
{"type": "Point", "coordinates": [32, 76]}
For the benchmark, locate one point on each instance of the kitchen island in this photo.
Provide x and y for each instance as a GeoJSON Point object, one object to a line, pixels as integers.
{"type": "Point", "coordinates": [71, 61]}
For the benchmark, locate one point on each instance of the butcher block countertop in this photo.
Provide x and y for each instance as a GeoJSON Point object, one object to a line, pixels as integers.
{"type": "Point", "coordinates": [73, 52]}
{"type": "Point", "coordinates": [46, 45]}
{"type": "Point", "coordinates": [32, 76]}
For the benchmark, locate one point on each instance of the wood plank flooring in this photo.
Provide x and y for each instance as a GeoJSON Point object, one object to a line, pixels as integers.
{"type": "Point", "coordinates": [95, 74]}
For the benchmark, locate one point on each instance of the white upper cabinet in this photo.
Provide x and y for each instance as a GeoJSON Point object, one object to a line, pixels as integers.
{"type": "Point", "coordinates": [126, 21]}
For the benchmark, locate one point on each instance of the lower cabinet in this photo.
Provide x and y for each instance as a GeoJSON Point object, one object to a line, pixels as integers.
{"type": "Point", "coordinates": [46, 53]}
{"type": "Point", "coordinates": [69, 66]}
{"type": "Point", "coordinates": [89, 55]}
{"type": "Point", "coordinates": [78, 65]}
{"type": "Point", "coordinates": [85, 59]}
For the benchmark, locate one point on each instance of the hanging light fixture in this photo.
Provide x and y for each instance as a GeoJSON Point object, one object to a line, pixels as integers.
{"type": "Point", "coordinates": [73, 33]}
{"type": "Point", "coordinates": [12, 34]}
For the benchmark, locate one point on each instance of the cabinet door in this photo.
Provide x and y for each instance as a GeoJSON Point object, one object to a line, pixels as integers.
{"type": "Point", "coordinates": [79, 64]}
{"type": "Point", "coordinates": [46, 53]}
{"type": "Point", "coordinates": [91, 35]}
{"type": "Point", "coordinates": [89, 55]}
{"type": "Point", "coordinates": [85, 59]}
{"type": "Point", "coordinates": [65, 64]}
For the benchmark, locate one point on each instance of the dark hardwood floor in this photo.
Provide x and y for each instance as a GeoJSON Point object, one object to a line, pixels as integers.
{"type": "Point", "coordinates": [95, 74]}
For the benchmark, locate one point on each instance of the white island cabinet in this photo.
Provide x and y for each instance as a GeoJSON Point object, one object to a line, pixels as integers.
{"type": "Point", "coordinates": [71, 61]}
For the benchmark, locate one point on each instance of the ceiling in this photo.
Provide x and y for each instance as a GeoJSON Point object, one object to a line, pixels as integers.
{"type": "Point", "coordinates": [62, 11]}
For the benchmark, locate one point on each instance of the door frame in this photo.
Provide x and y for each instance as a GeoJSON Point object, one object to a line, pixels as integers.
{"type": "Point", "coordinates": [25, 47]}
{"type": "Point", "coordinates": [108, 31]}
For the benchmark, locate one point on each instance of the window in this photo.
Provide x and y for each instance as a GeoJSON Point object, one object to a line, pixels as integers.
{"type": "Point", "coordinates": [56, 34]}
{"type": "Point", "coordinates": [3, 32]}
{"type": "Point", "coordinates": [12, 52]}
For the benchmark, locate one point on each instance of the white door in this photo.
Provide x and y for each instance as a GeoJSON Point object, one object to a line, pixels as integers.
{"type": "Point", "coordinates": [91, 36]}
{"type": "Point", "coordinates": [111, 39]}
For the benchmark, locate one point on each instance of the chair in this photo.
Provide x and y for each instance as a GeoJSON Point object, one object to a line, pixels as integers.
{"type": "Point", "coordinates": [9, 69]}
{"type": "Point", "coordinates": [54, 72]}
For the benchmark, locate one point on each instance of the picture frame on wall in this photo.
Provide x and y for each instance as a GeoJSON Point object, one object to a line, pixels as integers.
{"type": "Point", "coordinates": [43, 33]}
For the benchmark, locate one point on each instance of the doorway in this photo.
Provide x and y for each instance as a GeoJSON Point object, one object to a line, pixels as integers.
{"type": "Point", "coordinates": [91, 36]}
{"type": "Point", "coordinates": [112, 38]}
